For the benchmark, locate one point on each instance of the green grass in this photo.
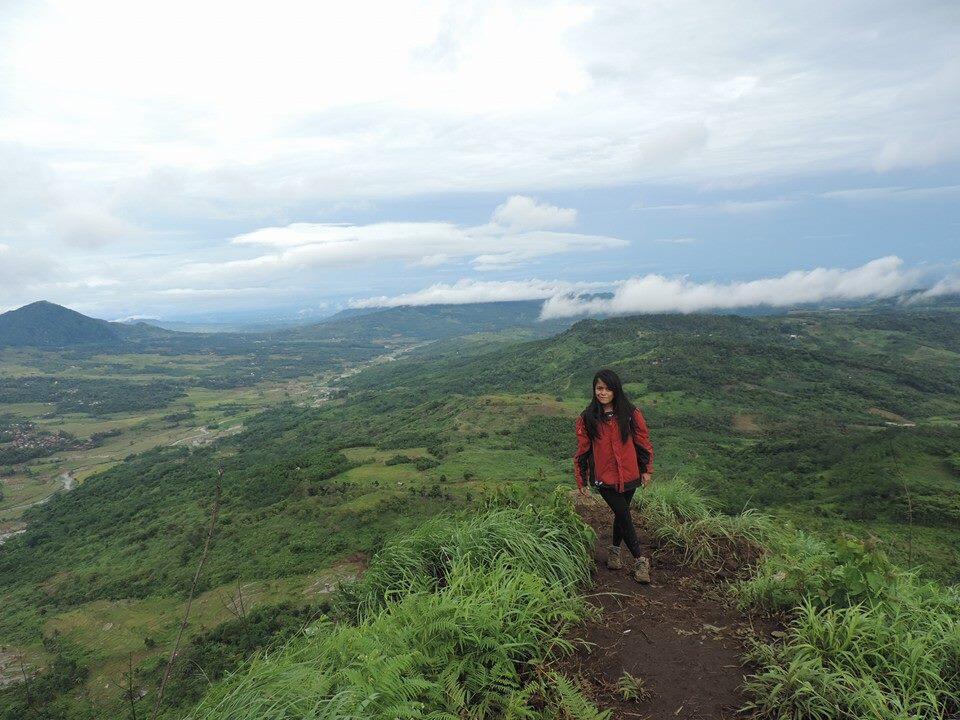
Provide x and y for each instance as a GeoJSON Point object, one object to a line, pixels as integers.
{"type": "Point", "coordinates": [885, 661]}
{"type": "Point", "coordinates": [456, 619]}
{"type": "Point", "coordinates": [866, 640]}
{"type": "Point", "coordinates": [500, 416]}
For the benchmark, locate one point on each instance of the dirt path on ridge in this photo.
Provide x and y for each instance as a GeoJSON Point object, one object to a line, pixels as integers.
{"type": "Point", "coordinates": [677, 634]}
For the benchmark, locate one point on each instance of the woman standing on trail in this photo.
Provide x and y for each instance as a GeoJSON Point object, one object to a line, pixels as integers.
{"type": "Point", "coordinates": [614, 455]}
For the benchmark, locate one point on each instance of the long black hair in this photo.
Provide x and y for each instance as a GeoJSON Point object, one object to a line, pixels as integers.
{"type": "Point", "coordinates": [593, 414]}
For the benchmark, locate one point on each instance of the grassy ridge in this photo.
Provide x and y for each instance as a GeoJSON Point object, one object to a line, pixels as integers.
{"type": "Point", "coordinates": [460, 619]}
{"type": "Point", "coordinates": [834, 419]}
{"type": "Point", "coordinates": [866, 640]}
{"type": "Point", "coordinates": [456, 619]}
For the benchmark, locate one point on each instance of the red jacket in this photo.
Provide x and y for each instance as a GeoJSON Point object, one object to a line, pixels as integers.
{"type": "Point", "coordinates": [607, 458]}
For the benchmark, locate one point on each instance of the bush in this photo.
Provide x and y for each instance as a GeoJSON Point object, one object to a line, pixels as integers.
{"type": "Point", "coordinates": [420, 559]}
{"type": "Point", "coordinates": [426, 463]}
{"type": "Point", "coordinates": [848, 571]}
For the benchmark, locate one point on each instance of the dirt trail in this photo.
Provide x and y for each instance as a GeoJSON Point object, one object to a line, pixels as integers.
{"type": "Point", "coordinates": [677, 634]}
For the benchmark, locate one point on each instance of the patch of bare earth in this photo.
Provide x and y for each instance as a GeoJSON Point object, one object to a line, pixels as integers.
{"type": "Point", "coordinates": [347, 568]}
{"type": "Point", "coordinates": [678, 635]}
{"type": "Point", "coordinates": [887, 415]}
{"type": "Point", "coordinates": [745, 424]}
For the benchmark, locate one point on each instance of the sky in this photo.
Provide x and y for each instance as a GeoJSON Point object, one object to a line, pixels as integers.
{"type": "Point", "coordinates": [215, 160]}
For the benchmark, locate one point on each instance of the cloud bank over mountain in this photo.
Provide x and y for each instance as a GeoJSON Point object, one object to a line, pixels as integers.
{"type": "Point", "coordinates": [654, 293]}
{"type": "Point", "coordinates": [479, 291]}
{"type": "Point", "coordinates": [880, 278]}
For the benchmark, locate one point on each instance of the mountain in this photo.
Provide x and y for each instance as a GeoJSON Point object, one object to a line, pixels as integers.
{"type": "Point", "coordinates": [428, 322]}
{"type": "Point", "coordinates": [45, 324]}
{"type": "Point", "coordinates": [48, 325]}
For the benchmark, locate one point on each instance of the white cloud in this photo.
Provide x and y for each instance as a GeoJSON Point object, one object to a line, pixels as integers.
{"type": "Point", "coordinates": [92, 228]}
{"type": "Point", "coordinates": [732, 207]}
{"type": "Point", "coordinates": [23, 271]}
{"type": "Point", "coordinates": [451, 96]}
{"type": "Point", "coordinates": [309, 109]}
{"type": "Point", "coordinates": [525, 213]}
{"type": "Point", "coordinates": [949, 285]}
{"type": "Point", "coordinates": [135, 318]}
{"type": "Point", "coordinates": [867, 194]}
{"type": "Point", "coordinates": [893, 193]}
{"type": "Point", "coordinates": [883, 277]}
{"type": "Point", "coordinates": [475, 291]}
{"type": "Point", "coordinates": [512, 238]}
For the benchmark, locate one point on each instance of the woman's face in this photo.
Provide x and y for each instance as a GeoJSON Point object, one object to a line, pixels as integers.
{"type": "Point", "coordinates": [603, 393]}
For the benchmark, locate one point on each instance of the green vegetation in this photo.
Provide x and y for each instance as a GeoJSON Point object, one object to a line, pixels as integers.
{"type": "Point", "coordinates": [455, 618]}
{"type": "Point", "coordinates": [94, 397]}
{"type": "Point", "coordinates": [846, 419]}
{"type": "Point", "coordinates": [44, 324]}
{"type": "Point", "coordinates": [430, 322]}
{"type": "Point", "coordinates": [827, 421]}
{"type": "Point", "coordinates": [866, 639]}
{"type": "Point", "coordinates": [214, 653]}
{"type": "Point", "coordinates": [632, 688]}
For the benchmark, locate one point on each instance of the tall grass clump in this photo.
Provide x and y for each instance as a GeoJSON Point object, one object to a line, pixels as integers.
{"type": "Point", "coordinates": [865, 640]}
{"type": "Point", "coordinates": [472, 636]}
{"type": "Point", "coordinates": [883, 661]}
{"type": "Point", "coordinates": [680, 517]}
{"type": "Point", "coordinates": [549, 540]}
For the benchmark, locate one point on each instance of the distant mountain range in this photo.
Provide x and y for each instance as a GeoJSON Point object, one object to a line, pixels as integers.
{"type": "Point", "coordinates": [44, 324]}
{"type": "Point", "coordinates": [48, 325]}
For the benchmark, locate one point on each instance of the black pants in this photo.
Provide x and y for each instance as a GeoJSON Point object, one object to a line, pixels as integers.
{"type": "Point", "coordinates": [623, 529]}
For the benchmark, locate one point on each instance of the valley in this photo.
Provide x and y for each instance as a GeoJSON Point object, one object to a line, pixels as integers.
{"type": "Point", "coordinates": [830, 421]}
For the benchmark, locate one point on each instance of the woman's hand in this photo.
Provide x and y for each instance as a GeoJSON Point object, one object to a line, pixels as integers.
{"type": "Point", "coordinates": [645, 479]}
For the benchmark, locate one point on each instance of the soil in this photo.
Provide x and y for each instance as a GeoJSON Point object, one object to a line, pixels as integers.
{"type": "Point", "coordinates": [678, 635]}
{"type": "Point", "coordinates": [745, 424]}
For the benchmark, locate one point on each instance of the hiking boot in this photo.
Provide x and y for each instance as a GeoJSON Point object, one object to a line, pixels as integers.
{"type": "Point", "coordinates": [614, 561]}
{"type": "Point", "coordinates": [641, 569]}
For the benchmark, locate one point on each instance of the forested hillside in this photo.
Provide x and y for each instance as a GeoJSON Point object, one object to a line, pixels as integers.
{"type": "Point", "coordinates": [847, 420]}
{"type": "Point", "coordinates": [429, 322]}
{"type": "Point", "coordinates": [837, 417]}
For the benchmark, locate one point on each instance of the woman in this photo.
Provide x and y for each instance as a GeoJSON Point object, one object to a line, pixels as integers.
{"type": "Point", "coordinates": [615, 456]}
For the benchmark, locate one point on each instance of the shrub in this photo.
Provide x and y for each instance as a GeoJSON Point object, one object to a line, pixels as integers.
{"type": "Point", "coordinates": [426, 463]}
{"type": "Point", "coordinates": [420, 560]}
{"type": "Point", "coordinates": [680, 517]}
{"type": "Point", "coordinates": [843, 573]}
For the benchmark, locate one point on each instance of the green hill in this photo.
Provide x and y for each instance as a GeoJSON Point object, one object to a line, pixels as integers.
{"type": "Point", "coordinates": [835, 420]}
{"type": "Point", "coordinates": [45, 324]}
{"type": "Point", "coordinates": [429, 322]}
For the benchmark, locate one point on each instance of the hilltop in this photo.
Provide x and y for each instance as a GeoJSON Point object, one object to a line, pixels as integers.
{"type": "Point", "coordinates": [47, 325]}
